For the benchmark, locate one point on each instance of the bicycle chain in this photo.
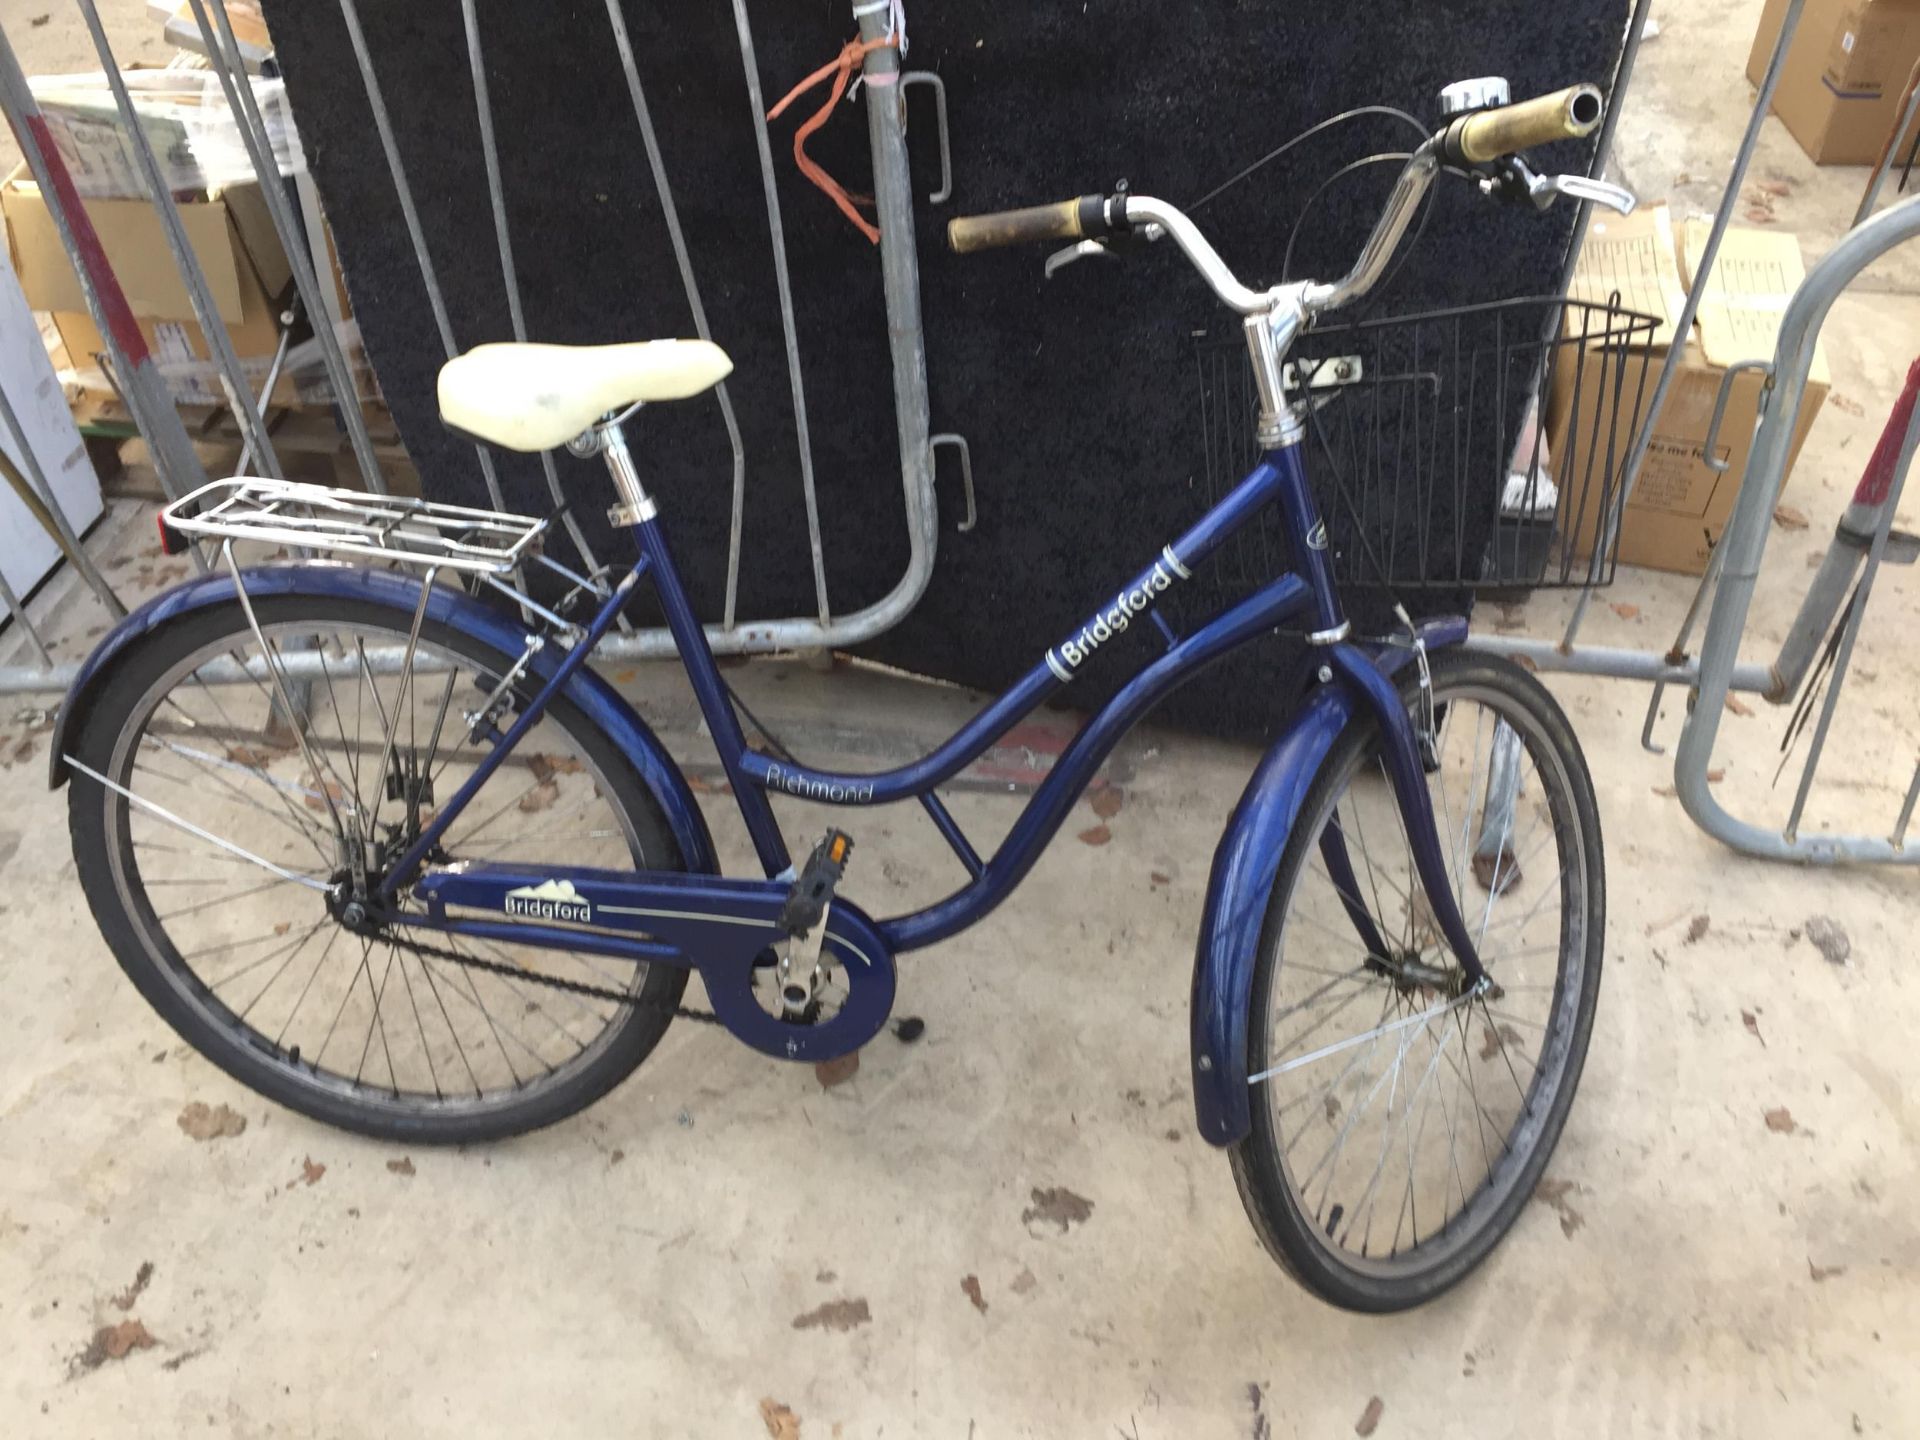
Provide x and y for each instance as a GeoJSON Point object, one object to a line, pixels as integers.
{"type": "Point", "coordinates": [572, 987]}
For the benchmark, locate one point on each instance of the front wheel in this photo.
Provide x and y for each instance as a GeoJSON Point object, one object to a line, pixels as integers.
{"type": "Point", "coordinates": [1401, 1121]}
{"type": "Point", "coordinates": [208, 858]}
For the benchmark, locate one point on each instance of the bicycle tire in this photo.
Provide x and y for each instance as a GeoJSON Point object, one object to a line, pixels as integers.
{"type": "Point", "coordinates": [138, 685]}
{"type": "Point", "coordinates": [1305, 1238]}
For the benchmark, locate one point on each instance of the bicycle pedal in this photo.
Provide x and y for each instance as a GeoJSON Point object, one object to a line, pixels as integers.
{"type": "Point", "coordinates": [812, 889]}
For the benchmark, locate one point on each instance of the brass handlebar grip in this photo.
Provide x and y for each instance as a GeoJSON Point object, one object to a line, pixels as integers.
{"type": "Point", "coordinates": [1564, 115]}
{"type": "Point", "coordinates": [1065, 220]}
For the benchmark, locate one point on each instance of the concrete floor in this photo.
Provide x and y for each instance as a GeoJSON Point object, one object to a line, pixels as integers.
{"type": "Point", "coordinates": [640, 1269]}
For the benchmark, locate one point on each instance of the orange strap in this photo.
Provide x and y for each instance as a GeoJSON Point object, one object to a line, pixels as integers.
{"type": "Point", "coordinates": [841, 69]}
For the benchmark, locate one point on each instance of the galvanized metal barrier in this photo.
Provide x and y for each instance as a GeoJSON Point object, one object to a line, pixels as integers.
{"type": "Point", "coordinates": [136, 377]}
{"type": "Point", "coordinates": [1709, 675]}
{"type": "Point", "coordinates": [1716, 670]}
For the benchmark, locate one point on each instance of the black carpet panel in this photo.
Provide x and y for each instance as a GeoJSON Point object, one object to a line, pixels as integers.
{"type": "Point", "coordinates": [1082, 397]}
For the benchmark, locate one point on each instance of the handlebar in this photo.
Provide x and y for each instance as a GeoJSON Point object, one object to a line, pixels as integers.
{"type": "Point", "coordinates": [1087, 218]}
{"type": "Point", "coordinates": [1490, 134]}
{"type": "Point", "coordinates": [1475, 139]}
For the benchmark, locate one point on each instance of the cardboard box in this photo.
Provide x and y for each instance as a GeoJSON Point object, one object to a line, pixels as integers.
{"type": "Point", "coordinates": [245, 268]}
{"type": "Point", "coordinates": [27, 553]}
{"type": "Point", "coordinates": [1845, 73]}
{"type": "Point", "coordinates": [1680, 505]}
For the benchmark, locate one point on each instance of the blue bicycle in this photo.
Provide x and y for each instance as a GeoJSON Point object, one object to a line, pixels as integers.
{"type": "Point", "coordinates": [386, 849]}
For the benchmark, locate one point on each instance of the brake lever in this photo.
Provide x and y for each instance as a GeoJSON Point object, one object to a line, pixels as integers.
{"type": "Point", "coordinates": [1543, 189]}
{"type": "Point", "coordinates": [1515, 180]}
{"type": "Point", "coordinates": [1084, 250]}
{"type": "Point", "coordinates": [1109, 247]}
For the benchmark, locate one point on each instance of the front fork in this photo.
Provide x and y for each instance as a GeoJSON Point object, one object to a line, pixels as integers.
{"type": "Point", "coordinates": [1401, 748]}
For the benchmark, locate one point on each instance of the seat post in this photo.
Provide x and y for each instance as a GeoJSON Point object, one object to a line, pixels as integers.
{"type": "Point", "coordinates": [635, 505]}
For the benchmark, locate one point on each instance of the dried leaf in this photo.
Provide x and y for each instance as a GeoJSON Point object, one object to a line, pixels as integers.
{"type": "Point", "coordinates": [314, 800]}
{"type": "Point", "coordinates": [1022, 1283]}
{"type": "Point", "coordinates": [1626, 611]}
{"type": "Point", "coordinates": [402, 1166]}
{"type": "Point", "coordinates": [1780, 1121]}
{"type": "Point", "coordinates": [545, 767]}
{"type": "Point", "coordinates": [1714, 777]}
{"type": "Point", "coordinates": [1759, 215]}
{"type": "Point", "coordinates": [311, 1171]}
{"type": "Point", "coordinates": [1697, 927]}
{"type": "Point", "coordinates": [1665, 790]}
{"type": "Point", "coordinates": [840, 1315]}
{"type": "Point", "coordinates": [124, 1300]}
{"type": "Point", "coordinates": [283, 927]}
{"type": "Point", "coordinates": [1845, 403]}
{"type": "Point", "coordinates": [781, 1423]}
{"type": "Point", "coordinates": [221, 1122]}
{"type": "Point", "coordinates": [1098, 835]}
{"type": "Point", "coordinates": [1158, 877]}
{"type": "Point", "coordinates": [1107, 801]}
{"type": "Point", "coordinates": [1057, 1205]}
{"type": "Point", "coordinates": [1752, 1022]}
{"type": "Point", "coordinates": [1818, 1273]}
{"type": "Point", "coordinates": [251, 756]}
{"type": "Point", "coordinates": [1490, 1042]}
{"type": "Point", "coordinates": [540, 797]}
{"type": "Point", "coordinates": [1774, 187]}
{"type": "Point", "coordinates": [970, 1286]}
{"type": "Point", "coordinates": [1739, 706]}
{"type": "Point", "coordinates": [1826, 936]}
{"type": "Point", "coordinates": [837, 1071]}
{"type": "Point", "coordinates": [1370, 1416]}
{"type": "Point", "coordinates": [1503, 868]}
{"type": "Point", "coordinates": [112, 1342]}
{"type": "Point", "coordinates": [1789, 517]}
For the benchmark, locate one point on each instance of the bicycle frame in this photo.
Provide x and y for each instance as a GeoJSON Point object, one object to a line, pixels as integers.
{"type": "Point", "coordinates": [1278, 478]}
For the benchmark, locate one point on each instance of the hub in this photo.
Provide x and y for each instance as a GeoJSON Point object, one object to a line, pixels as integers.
{"type": "Point", "coordinates": [351, 908]}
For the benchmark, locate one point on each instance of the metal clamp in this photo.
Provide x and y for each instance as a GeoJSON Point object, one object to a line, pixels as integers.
{"type": "Point", "coordinates": [1714, 462]}
{"type": "Point", "coordinates": [959, 442]}
{"type": "Point", "coordinates": [928, 77]}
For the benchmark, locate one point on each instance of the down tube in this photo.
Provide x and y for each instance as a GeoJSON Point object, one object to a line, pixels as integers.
{"type": "Point", "coordinates": [1259, 612]}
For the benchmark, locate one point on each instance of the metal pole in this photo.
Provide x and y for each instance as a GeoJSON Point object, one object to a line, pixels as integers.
{"type": "Point", "coordinates": [146, 394]}
{"type": "Point", "coordinates": [1603, 146]}
{"type": "Point", "coordinates": [396, 171]}
{"type": "Point", "coordinates": [1745, 541]}
{"type": "Point", "coordinates": [1871, 197]}
{"type": "Point", "coordinates": [46, 507]}
{"type": "Point", "coordinates": [1908, 444]}
{"type": "Point", "coordinates": [219, 343]}
{"type": "Point", "coordinates": [671, 214]}
{"type": "Point", "coordinates": [503, 242]}
{"type": "Point", "coordinates": [900, 283]}
{"type": "Point", "coordinates": [223, 54]}
{"type": "Point", "coordinates": [1683, 325]}
{"type": "Point", "coordinates": [758, 103]}
{"type": "Point", "coordinates": [19, 614]}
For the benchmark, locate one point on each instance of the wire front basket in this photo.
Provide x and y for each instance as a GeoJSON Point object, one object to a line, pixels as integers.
{"type": "Point", "coordinates": [1479, 448]}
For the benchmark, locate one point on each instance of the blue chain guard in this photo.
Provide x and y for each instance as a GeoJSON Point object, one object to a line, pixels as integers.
{"type": "Point", "coordinates": [715, 926]}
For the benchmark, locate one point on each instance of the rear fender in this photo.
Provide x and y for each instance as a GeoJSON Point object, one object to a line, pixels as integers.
{"type": "Point", "coordinates": [1241, 885]}
{"type": "Point", "coordinates": [601, 702]}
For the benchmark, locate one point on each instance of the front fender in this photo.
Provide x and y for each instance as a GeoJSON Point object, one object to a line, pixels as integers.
{"type": "Point", "coordinates": [601, 702]}
{"type": "Point", "coordinates": [1238, 891]}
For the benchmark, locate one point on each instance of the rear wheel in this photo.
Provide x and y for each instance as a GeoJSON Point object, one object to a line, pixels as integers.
{"type": "Point", "coordinates": [1400, 1121]}
{"type": "Point", "coordinates": [210, 883]}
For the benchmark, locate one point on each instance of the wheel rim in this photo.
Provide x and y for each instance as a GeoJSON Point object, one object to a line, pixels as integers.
{"type": "Point", "coordinates": [257, 953]}
{"type": "Point", "coordinates": [1407, 1114]}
